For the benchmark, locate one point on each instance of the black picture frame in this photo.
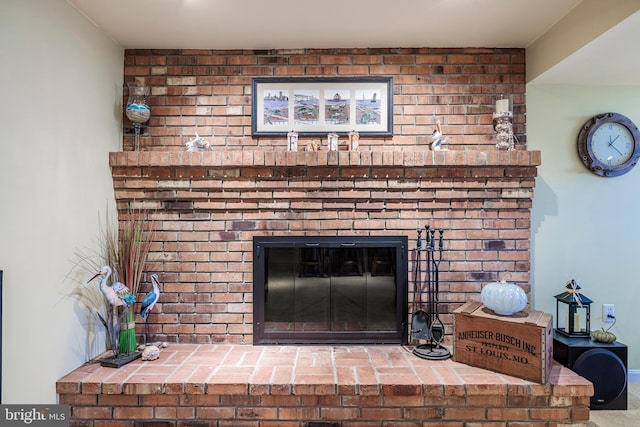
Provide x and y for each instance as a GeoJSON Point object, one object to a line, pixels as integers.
{"type": "Point", "coordinates": [318, 106]}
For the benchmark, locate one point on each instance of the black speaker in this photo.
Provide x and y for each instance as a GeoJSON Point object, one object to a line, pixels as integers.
{"type": "Point", "coordinates": [604, 364]}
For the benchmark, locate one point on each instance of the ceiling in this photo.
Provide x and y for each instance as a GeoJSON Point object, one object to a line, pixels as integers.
{"type": "Point", "coordinates": [294, 24]}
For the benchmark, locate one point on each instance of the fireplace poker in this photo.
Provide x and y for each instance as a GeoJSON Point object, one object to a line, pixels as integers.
{"type": "Point", "coordinates": [436, 295]}
{"type": "Point", "coordinates": [419, 319]}
{"type": "Point", "coordinates": [431, 233]}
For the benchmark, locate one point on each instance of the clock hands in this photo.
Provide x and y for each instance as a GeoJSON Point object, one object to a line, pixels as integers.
{"type": "Point", "coordinates": [611, 141]}
{"type": "Point", "coordinates": [617, 151]}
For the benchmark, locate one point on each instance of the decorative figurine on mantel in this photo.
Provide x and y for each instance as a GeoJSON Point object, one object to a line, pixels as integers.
{"type": "Point", "coordinates": [332, 141]}
{"type": "Point", "coordinates": [436, 138]}
{"type": "Point", "coordinates": [198, 144]}
{"type": "Point", "coordinates": [312, 146]}
{"type": "Point", "coordinates": [292, 141]}
{"type": "Point", "coordinates": [354, 140]}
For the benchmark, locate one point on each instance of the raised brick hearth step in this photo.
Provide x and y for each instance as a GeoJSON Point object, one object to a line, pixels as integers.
{"type": "Point", "coordinates": [285, 386]}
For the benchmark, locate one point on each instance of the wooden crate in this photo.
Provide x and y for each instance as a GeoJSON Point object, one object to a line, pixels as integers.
{"type": "Point", "coordinates": [520, 345]}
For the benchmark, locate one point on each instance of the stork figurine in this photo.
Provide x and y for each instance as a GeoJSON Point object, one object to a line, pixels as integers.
{"type": "Point", "coordinates": [149, 302]}
{"type": "Point", "coordinates": [118, 295]}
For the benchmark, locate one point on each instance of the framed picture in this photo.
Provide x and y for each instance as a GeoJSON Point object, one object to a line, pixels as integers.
{"type": "Point", "coordinates": [313, 106]}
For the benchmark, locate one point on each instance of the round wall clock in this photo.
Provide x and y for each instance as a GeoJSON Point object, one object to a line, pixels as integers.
{"type": "Point", "coordinates": [609, 144]}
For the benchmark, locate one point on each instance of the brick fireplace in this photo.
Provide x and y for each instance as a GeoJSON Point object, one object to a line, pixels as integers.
{"type": "Point", "coordinates": [209, 206]}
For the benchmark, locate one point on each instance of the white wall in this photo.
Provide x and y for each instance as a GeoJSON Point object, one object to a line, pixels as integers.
{"type": "Point", "coordinates": [60, 92]}
{"type": "Point", "coordinates": [584, 227]}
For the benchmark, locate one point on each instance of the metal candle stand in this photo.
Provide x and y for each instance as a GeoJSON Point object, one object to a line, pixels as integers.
{"type": "Point", "coordinates": [426, 324]}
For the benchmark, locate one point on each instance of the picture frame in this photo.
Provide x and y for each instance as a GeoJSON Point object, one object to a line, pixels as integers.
{"type": "Point", "coordinates": [318, 106]}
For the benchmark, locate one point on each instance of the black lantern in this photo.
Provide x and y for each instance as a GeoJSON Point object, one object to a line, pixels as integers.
{"type": "Point", "coordinates": [573, 312]}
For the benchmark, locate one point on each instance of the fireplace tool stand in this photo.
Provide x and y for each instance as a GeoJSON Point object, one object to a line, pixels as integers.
{"type": "Point", "coordinates": [426, 324]}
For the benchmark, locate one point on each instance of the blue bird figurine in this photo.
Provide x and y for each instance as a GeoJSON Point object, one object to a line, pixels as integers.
{"type": "Point", "coordinates": [150, 299]}
{"type": "Point", "coordinates": [149, 302]}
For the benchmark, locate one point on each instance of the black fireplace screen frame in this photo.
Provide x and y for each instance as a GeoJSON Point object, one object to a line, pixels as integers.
{"type": "Point", "coordinates": [396, 247]}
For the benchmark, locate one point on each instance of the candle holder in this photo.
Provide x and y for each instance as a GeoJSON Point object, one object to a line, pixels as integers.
{"type": "Point", "coordinates": [573, 312]}
{"type": "Point", "coordinates": [354, 140]}
{"type": "Point", "coordinates": [332, 141]}
{"type": "Point", "coordinates": [503, 123]}
{"type": "Point", "coordinates": [137, 109]}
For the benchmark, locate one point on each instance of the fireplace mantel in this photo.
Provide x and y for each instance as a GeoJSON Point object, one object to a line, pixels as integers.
{"type": "Point", "coordinates": [272, 158]}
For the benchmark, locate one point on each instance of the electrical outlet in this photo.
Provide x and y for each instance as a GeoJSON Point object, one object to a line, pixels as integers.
{"type": "Point", "coordinates": [608, 313]}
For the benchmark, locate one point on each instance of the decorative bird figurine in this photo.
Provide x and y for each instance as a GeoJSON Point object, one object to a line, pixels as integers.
{"type": "Point", "coordinates": [150, 299]}
{"type": "Point", "coordinates": [149, 302]}
{"type": "Point", "coordinates": [117, 294]}
{"type": "Point", "coordinates": [437, 141]}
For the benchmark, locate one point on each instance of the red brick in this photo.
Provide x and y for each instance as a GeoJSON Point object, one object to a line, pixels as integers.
{"type": "Point", "coordinates": [91, 412]}
{"type": "Point", "coordinates": [253, 180]}
{"type": "Point", "coordinates": [465, 413]}
{"type": "Point", "coordinates": [550, 414]}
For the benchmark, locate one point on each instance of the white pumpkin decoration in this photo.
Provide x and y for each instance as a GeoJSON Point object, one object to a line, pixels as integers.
{"type": "Point", "coordinates": [503, 298]}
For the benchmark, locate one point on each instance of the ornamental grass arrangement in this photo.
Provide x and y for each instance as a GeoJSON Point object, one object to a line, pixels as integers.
{"type": "Point", "coordinates": [124, 246]}
{"type": "Point", "coordinates": [128, 253]}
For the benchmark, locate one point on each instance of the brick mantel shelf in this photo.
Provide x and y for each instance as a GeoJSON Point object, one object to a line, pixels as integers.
{"type": "Point", "coordinates": [381, 158]}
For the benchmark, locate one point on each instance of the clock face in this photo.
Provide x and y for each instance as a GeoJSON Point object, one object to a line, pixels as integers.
{"type": "Point", "coordinates": [609, 144]}
{"type": "Point", "coordinates": [612, 144]}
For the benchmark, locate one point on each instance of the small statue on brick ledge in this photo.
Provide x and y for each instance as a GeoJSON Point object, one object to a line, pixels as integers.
{"type": "Point", "coordinates": [437, 140]}
{"type": "Point", "coordinates": [198, 144]}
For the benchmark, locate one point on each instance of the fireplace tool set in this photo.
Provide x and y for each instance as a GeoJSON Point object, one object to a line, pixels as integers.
{"type": "Point", "coordinates": [425, 319]}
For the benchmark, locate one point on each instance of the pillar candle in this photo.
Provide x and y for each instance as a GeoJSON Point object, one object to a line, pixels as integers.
{"type": "Point", "coordinates": [576, 323]}
{"type": "Point", "coordinates": [502, 105]}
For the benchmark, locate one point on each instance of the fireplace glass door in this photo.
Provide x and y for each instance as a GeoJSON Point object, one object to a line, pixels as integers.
{"type": "Point", "coordinates": [329, 290]}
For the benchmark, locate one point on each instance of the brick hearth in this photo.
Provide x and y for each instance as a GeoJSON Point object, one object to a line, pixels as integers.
{"type": "Point", "coordinates": [287, 386]}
